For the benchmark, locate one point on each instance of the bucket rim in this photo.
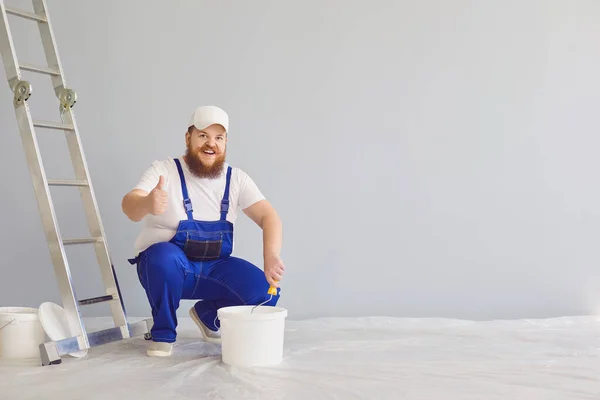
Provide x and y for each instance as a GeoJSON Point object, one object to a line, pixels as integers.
{"type": "Point", "coordinates": [233, 313]}
{"type": "Point", "coordinates": [19, 313]}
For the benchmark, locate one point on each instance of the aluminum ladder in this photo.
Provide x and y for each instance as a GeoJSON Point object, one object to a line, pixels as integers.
{"type": "Point", "coordinates": [51, 352]}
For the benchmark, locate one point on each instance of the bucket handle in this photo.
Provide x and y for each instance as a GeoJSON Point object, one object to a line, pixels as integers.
{"type": "Point", "coordinates": [5, 325]}
{"type": "Point", "coordinates": [272, 291]}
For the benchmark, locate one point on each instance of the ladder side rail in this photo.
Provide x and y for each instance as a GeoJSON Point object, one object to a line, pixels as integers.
{"type": "Point", "coordinates": [67, 99]}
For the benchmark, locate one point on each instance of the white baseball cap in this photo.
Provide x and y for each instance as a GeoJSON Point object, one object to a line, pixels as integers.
{"type": "Point", "coordinates": [205, 116]}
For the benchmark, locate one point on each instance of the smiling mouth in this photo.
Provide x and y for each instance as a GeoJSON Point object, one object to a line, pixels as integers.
{"type": "Point", "coordinates": [209, 152]}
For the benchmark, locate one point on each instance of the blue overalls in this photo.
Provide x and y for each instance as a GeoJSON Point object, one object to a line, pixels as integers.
{"type": "Point", "coordinates": [197, 264]}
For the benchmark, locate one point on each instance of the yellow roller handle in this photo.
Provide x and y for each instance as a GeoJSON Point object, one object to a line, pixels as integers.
{"type": "Point", "coordinates": [272, 290]}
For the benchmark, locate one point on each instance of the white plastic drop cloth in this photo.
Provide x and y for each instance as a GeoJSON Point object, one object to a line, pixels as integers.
{"type": "Point", "coordinates": [346, 358]}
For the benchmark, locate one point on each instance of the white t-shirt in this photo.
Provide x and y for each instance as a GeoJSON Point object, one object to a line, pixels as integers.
{"type": "Point", "coordinates": [205, 195]}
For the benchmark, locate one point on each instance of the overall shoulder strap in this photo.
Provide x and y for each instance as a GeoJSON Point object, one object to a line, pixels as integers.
{"type": "Point", "coordinates": [225, 201]}
{"type": "Point", "coordinates": [187, 203]}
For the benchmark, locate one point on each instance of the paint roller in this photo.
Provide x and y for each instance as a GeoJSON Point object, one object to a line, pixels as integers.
{"type": "Point", "coordinates": [272, 292]}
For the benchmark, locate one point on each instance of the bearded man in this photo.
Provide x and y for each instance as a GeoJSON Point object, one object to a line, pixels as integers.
{"type": "Point", "coordinates": [189, 206]}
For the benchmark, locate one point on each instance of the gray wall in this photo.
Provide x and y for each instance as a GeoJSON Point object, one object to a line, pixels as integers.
{"type": "Point", "coordinates": [428, 158]}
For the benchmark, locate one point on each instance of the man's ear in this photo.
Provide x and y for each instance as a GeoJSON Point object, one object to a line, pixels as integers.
{"type": "Point", "coordinates": [187, 138]}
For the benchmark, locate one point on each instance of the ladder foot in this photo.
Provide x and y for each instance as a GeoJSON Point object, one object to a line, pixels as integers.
{"type": "Point", "coordinates": [49, 354]}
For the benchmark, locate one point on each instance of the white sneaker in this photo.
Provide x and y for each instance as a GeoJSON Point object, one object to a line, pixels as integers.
{"type": "Point", "coordinates": [159, 349]}
{"type": "Point", "coordinates": [207, 334]}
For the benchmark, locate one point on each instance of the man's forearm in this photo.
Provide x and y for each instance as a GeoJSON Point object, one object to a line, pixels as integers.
{"type": "Point", "coordinates": [272, 234]}
{"type": "Point", "coordinates": [135, 206]}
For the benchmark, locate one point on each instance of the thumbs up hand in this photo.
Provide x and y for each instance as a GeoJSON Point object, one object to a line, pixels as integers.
{"type": "Point", "coordinates": [158, 198]}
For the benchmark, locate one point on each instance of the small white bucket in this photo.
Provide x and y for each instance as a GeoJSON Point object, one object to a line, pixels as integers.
{"type": "Point", "coordinates": [252, 339]}
{"type": "Point", "coordinates": [21, 333]}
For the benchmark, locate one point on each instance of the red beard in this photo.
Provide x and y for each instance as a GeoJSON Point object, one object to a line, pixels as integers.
{"type": "Point", "coordinates": [201, 170]}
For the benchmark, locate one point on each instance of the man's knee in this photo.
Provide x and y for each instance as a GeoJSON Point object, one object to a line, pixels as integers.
{"type": "Point", "coordinates": [246, 281]}
{"type": "Point", "coordinates": [163, 259]}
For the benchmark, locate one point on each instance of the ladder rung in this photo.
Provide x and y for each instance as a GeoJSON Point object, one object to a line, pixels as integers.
{"type": "Point", "coordinates": [81, 241]}
{"type": "Point", "coordinates": [67, 182]}
{"type": "Point", "coordinates": [53, 125]}
{"type": "Point", "coordinates": [95, 300]}
{"type": "Point", "coordinates": [41, 70]}
{"type": "Point", "coordinates": [25, 14]}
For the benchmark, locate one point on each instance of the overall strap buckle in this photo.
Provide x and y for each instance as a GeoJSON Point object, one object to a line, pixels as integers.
{"type": "Point", "coordinates": [187, 204]}
{"type": "Point", "coordinates": [225, 206]}
{"type": "Point", "coordinates": [225, 200]}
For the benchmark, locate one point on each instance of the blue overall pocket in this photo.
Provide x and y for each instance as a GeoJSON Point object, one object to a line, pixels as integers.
{"type": "Point", "coordinates": [203, 246]}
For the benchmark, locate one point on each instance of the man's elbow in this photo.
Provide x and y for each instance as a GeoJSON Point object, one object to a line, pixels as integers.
{"type": "Point", "coordinates": [125, 208]}
{"type": "Point", "coordinates": [128, 207]}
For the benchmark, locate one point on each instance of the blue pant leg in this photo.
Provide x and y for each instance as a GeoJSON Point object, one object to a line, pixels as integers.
{"type": "Point", "coordinates": [162, 271]}
{"type": "Point", "coordinates": [230, 282]}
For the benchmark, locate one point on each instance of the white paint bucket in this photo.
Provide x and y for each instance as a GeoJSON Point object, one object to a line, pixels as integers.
{"type": "Point", "coordinates": [21, 333]}
{"type": "Point", "coordinates": [252, 338]}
